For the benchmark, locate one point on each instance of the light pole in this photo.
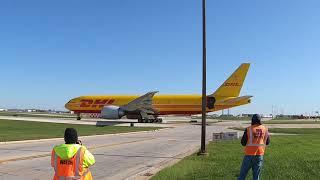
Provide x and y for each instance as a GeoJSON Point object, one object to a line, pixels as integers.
{"type": "Point", "coordinates": [204, 80]}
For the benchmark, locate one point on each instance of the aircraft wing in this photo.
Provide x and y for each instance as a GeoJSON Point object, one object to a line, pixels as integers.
{"type": "Point", "coordinates": [142, 104]}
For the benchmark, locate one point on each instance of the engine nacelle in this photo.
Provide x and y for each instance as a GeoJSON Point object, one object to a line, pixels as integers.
{"type": "Point", "coordinates": [112, 112]}
{"type": "Point", "coordinates": [211, 102]}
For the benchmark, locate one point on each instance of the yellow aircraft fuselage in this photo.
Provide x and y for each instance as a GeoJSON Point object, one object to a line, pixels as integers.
{"type": "Point", "coordinates": [164, 104]}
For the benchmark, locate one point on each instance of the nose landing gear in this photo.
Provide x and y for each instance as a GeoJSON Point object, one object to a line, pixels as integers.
{"type": "Point", "coordinates": [78, 116]}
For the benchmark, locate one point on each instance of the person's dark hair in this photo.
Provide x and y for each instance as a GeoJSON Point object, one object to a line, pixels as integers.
{"type": "Point", "coordinates": [256, 119]}
{"type": "Point", "coordinates": [70, 136]}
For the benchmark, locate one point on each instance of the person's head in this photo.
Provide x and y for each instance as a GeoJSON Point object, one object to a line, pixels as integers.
{"type": "Point", "coordinates": [70, 136]}
{"type": "Point", "coordinates": [256, 119]}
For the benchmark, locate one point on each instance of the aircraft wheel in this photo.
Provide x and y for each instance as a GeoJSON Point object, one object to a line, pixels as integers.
{"type": "Point", "coordinates": [78, 118]}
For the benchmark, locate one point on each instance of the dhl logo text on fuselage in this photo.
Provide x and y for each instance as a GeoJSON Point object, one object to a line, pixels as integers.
{"type": "Point", "coordinates": [98, 103]}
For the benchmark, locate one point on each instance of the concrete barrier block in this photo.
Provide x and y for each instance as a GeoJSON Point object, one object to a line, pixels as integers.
{"type": "Point", "coordinates": [230, 135]}
{"type": "Point", "coordinates": [225, 136]}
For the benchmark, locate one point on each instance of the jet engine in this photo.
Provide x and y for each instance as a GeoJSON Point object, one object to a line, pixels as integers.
{"type": "Point", "coordinates": [211, 102]}
{"type": "Point", "coordinates": [112, 112]}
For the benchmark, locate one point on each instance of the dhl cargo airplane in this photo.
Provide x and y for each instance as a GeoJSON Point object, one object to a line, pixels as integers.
{"type": "Point", "coordinates": [148, 107]}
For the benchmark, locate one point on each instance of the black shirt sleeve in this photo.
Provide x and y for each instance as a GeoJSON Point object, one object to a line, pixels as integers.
{"type": "Point", "coordinates": [244, 138]}
{"type": "Point", "coordinates": [268, 139]}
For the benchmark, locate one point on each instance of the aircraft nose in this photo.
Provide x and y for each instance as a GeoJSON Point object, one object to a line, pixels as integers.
{"type": "Point", "coordinates": [68, 104]}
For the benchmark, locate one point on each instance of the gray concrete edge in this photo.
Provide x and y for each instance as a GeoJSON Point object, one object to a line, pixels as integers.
{"type": "Point", "coordinates": [164, 164]}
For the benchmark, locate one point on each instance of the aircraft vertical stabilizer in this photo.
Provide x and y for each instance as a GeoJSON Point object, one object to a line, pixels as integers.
{"type": "Point", "coordinates": [232, 86]}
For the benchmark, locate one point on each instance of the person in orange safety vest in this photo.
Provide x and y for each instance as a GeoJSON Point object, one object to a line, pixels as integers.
{"type": "Point", "coordinates": [71, 160]}
{"type": "Point", "coordinates": [255, 139]}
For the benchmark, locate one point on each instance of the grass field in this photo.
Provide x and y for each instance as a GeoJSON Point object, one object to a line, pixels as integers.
{"type": "Point", "coordinates": [291, 122]}
{"type": "Point", "coordinates": [302, 131]}
{"type": "Point", "coordinates": [287, 157]}
{"type": "Point", "coordinates": [25, 130]}
{"type": "Point", "coordinates": [44, 115]}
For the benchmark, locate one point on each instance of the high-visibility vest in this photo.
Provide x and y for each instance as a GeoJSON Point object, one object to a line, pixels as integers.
{"type": "Point", "coordinates": [256, 140]}
{"type": "Point", "coordinates": [70, 169]}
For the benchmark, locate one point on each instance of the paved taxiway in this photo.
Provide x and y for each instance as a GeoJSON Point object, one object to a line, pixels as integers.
{"type": "Point", "coordinates": [99, 122]}
{"type": "Point", "coordinates": [117, 156]}
{"type": "Point", "coordinates": [167, 121]}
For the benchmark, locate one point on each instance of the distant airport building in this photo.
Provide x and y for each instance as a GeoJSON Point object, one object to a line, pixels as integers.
{"type": "Point", "coordinates": [247, 115]}
{"type": "Point", "coordinates": [281, 116]}
{"type": "Point", "coordinates": [262, 115]}
{"type": "Point", "coordinates": [267, 116]}
{"type": "Point", "coordinates": [3, 110]}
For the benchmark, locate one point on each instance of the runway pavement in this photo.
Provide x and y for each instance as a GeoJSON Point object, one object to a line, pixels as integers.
{"type": "Point", "coordinates": [168, 121]}
{"type": "Point", "coordinates": [93, 122]}
{"type": "Point", "coordinates": [122, 156]}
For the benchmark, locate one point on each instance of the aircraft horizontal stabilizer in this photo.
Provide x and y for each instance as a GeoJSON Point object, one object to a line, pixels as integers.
{"type": "Point", "coordinates": [235, 100]}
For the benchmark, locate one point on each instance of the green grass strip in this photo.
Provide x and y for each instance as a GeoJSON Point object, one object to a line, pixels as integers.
{"type": "Point", "coordinates": [11, 130]}
{"type": "Point", "coordinates": [287, 157]}
{"type": "Point", "coordinates": [291, 122]}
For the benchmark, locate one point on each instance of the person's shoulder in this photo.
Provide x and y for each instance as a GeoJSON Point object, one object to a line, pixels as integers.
{"type": "Point", "coordinates": [264, 126]}
{"type": "Point", "coordinates": [84, 147]}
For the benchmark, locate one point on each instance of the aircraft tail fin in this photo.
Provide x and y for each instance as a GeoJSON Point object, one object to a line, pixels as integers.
{"type": "Point", "coordinates": [232, 86]}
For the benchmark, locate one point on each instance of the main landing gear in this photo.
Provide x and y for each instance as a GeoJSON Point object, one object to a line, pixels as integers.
{"type": "Point", "coordinates": [147, 120]}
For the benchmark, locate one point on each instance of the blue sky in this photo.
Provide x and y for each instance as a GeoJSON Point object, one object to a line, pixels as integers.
{"type": "Point", "coordinates": [52, 51]}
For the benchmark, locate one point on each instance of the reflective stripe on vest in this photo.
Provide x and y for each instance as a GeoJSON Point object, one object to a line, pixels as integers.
{"type": "Point", "coordinates": [55, 162]}
{"type": "Point", "coordinates": [77, 166]}
{"type": "Point", "coordinates": [78, 161]}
